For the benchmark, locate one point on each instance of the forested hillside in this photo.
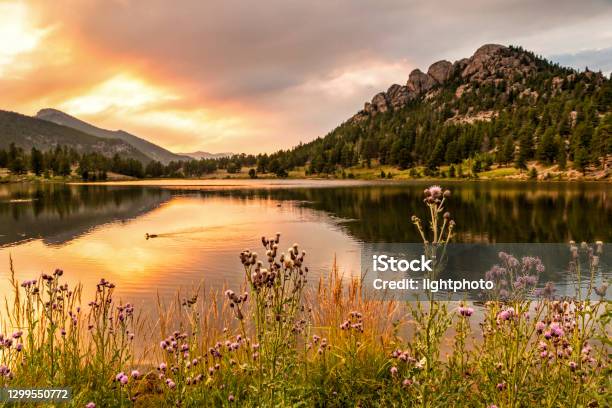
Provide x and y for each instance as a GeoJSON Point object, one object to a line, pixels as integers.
{"type": "Point", "coordinates": [26, 132]}
{"type": "Point", "coordinates": [502, 105]}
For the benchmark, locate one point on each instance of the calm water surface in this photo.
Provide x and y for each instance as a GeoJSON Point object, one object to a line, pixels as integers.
{"type": "Point", "coordinates": [94, 231]}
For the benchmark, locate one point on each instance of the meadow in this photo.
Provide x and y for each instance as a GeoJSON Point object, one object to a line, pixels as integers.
{"type": "Point", "coordinates": [281, 340]}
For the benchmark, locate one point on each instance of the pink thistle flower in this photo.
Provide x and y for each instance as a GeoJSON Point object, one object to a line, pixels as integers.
{"type": "Point", "coordinates": [393, 371]}
{"type": "Point", "coordinates": [135, 374]}
{"type": "Point", "coordinates": [506, 314]}
{"type": "Point", "coordinates": [231, 398]}
{"type": "Point", "coordinates": [90, 405]}
{"type": "Point", "coordinates": [435, 191]}
{"type": "Point", "coordinates": [556, 330]}
{"type": "Point", "coordinates": [465, 311]}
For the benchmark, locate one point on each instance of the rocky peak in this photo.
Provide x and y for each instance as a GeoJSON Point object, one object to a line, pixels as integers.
{"type": "Point", "coordinates": [488, 50]}
{"type": "Point", "coordinates": [440, 71]}
{"type": "Point", "coordinates": [494, 61]}
{"type": "Point", "coordinates": [419, 82]}
{"type": "Point", "coordinates": [490, 63]}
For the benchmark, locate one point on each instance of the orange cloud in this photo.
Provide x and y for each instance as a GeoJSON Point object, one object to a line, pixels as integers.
{"type": "Point", "coordinates": [201, 76]}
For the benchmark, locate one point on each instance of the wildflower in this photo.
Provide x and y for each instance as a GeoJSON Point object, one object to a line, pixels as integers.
{"type": "Point", "coordinates": [505, 314]}
{"type": "Point", "coordinates": [171, 384]}
{"type": "Point", "coordinates": [540, 326]}
{"type": "Point", "coordinates": [135, 374]}
{"type": "Point", "coordinates": [434, 191]}
{"type": "Point", "coordinates": [19, 347]}
{"type": "Point", "coordinates": [162, 367]}
{"type": "Point", "coordinates": [572, 365]}
{"type": "Point", "coordinates": [407, 382]}
{"type": "Point", "coordinates": [393, 371]}
{"type": "Point", "coordinates": [231, 398]}
{"type": "Point", "coordinates": [124, 380]}
{"type": "Point", "coordinates": [119, 376]}
{"type": "Point", "coordinates": [17, 334]}
{"type": "Point", "coordinates": [90, 405]}
{"type": "Point", "coordinates": [501, 386]}
{"type": "Point", "coordinates": [556, 330]}
{"type": "Point", "coordinates": [465, 311]}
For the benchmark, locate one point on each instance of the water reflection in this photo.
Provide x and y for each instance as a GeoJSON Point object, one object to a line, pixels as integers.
{"type": "Point", "coordinates": [94, 231]}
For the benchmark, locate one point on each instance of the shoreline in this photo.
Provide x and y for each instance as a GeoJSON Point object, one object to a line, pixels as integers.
{"type": "Point", "coordinates": [369, 181]}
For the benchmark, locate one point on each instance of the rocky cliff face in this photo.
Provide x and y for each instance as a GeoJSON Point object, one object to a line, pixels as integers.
{"type": "Point", "coordinates": [490, 63]}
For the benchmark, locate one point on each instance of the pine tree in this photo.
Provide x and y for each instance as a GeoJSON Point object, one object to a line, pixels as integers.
{"type": "Point", "coordinates": [581, 160]}
{"type": "Point", "coordinates": [525, 148]}
{"type": "Point", "coordinates": [547, 148]}
{"type": "Point", "coordinates": [36, 161]}
{"type": "Point", "coordinates": [561, 154]}
{"type": "Point", "coordinates": [507, 153]}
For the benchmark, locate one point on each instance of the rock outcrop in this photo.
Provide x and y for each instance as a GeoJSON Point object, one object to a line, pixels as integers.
{"type": "Point", "coordinates": [398, 96]}
{"type": "Point", "coordinates": [496, 61]}
{"type": "Point", "coordinates": [490, 63]}
{"type": "Point", "coordinates": [440, 71]}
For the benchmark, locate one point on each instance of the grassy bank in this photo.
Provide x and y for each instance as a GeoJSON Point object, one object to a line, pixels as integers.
{"type": "Point", "coordinates": [283, 341]}
{"type": "Point", "coordinates": [376, 171]}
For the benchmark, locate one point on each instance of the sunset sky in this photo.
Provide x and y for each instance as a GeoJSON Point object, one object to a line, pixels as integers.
{"type": "Point", "coordinates": [246, 76]}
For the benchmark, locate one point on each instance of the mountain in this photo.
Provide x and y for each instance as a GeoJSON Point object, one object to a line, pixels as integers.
{"type": "Point", "coordinates": [501, 105]}
{"type": "Point", "coordinates": [27, 132]}
{"type": "Point", "coordinates": [149, 149]}
{"type": "Point", "coordinates": [206, 155]}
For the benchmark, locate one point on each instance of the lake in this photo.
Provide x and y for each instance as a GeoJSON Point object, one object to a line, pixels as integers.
{"type": "Point", "coordinates": [94, 231]}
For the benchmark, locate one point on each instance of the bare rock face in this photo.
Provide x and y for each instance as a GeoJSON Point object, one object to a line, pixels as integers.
{"type": "Point", "coordinates": [419, 82]}
{"type": "Point", "coordinates": [398, 96]}
{"type": "Point", "coordinates": [440, 71]}
{"type": "Point", "coordinates": [379, 102]}
{"type": "Point", "coordinates": [496, 61]}
{"type": "Point", "coordinates": [491, 63]}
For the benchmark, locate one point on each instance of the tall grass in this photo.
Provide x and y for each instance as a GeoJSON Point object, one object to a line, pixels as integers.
{"type": "Point", "coordinates": [280, 341]}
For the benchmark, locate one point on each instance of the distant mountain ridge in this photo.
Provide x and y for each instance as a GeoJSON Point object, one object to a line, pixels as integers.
{"type": "Point", "coordinates": [27, 132]}
{"type": "Point", "coordinates": [151, 150]}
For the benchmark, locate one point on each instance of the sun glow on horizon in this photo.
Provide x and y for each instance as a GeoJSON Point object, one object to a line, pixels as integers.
{"type": "Point", "coordinates": [17, 35]}
{"type": "Point", "coordinates": [122, 92]}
